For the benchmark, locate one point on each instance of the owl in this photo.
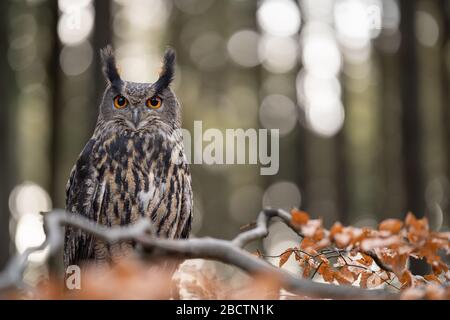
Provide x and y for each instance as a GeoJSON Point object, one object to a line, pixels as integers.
{"type": "Point", "coordinates": [133, 167]}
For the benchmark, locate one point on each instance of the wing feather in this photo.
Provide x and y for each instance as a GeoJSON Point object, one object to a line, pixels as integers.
{"type": "Point", "coordinates": [187, 205]}
{"type": "Point", "coordinates": [82, 192]}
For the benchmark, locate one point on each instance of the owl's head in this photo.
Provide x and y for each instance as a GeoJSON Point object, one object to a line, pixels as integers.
{"type": "Point", "coordinates": [139, 106]}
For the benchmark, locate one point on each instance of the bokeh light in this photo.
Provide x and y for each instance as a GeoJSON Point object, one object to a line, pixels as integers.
{"type": "Point", "coordinates": [193, 6]}
{"type": "Point", "coordinates": [24, 28]}
{"type": "Point", "coordinates": [282, 194]}
{"type": "Point", "coordinates": [28, 198]}
{"type": "Point", "coordinates": [75, 25]}
{"type": "Point", "coordinates": [279, 17]}
{"type": "Point", "coordinates": [278, 54]}
{"type": "Point", "coordinates": [390, 15]}
{"type": "Point", "coordinates": [146, 14]}
{"type": "Point", "coordinates": [208, 51]}
{"type": "Point", "coordinates": [318, 87]}
{"type": "Point", "coordinates": [133, 21]}
{"type": "Point", "coordinates": [137, 62]}
{"type": "Point", "coordinates": [427, 29]}
{"type": "Point", "coordinates": [325, 118]}
{"type": "Point", "coordinates": [321, 55]}
{"type": "Point", "coordinates": [311, 87]}
{"type": "Point", "coordinates": [357, 21]}
{"type": "Point", "coordinates": [30, 234]}
{"type": "Point", "coordinates": [26, 202]}
{"type": "Point", "coordinates": [243, 48]}
{"type": "Point", "coordinates": [68, 6]}
{"type": "Point", "coordinates": [75, 60]}
{"type": "Point", "coordinates": [278, 112]}
{"type": "Point", "coordinates": [317, 10]}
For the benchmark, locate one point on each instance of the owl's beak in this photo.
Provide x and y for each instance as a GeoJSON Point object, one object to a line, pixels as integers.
{"type": "Point", "coordinates": [136, 117]}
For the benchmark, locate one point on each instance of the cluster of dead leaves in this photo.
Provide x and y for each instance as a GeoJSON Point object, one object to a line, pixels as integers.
{"type": "Point", "coordinates": [347, 255]}
{"type": "Point", "coordinates": [134, 279]}
{"type": "Point", "coordinates": [199, 282]}
{"type": "Point", "coordinates": [129, 279]}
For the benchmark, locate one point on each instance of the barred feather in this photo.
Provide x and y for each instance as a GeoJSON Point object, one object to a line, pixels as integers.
{"type": "Point", "coordinates": [119, 179]}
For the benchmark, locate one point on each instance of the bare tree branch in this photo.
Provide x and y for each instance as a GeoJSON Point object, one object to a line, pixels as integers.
{"type": "Point", "coordinates": [229, 252]}
{"type": "Point", "coordinates": [262, 223]}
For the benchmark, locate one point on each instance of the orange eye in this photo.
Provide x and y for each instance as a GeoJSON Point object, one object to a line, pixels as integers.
{"type": "Point", "coordinates": [120, 102]}
{"type": "Point", "coordinates": [154, 102]}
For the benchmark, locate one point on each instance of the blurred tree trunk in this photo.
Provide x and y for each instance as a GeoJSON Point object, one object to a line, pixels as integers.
{"type": "Point", "coordinates": [392, 197]}
{"type": "Point", "coordinates": [412, 126]}
{"type": "Point", "coordinates": [6, 152]}
{"type": "Point", "coordinates": [432, 110]}
{"type": "Point", "coordinates": [322, 177]}
{"type": "Point", "coordinates": [55, 80]}
{"type": "Point", "coordinates": [363, 137]}
{"type": "Point", "coordinates": [341, 178]}
{"type": "Point", "coordinates": [411, 129]}
{"type": "Point", "coordinates": [316, 167]}
{"type": "Point", "coordinates": [444, 9]}
{"type": "Point", "coordinates": [102, 37]}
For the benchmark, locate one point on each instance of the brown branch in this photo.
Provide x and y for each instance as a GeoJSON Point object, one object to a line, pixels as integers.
{"type": "Point", "coordinates": [229, 252]}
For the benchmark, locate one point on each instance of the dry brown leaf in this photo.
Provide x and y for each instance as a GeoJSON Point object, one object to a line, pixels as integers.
{"type": "Point", "coordinates": [439, 267]}
{"type": "Point", "coordinates": [432, 278]}
{"type": "Point", "coordinates": [308, 245]}
{"type": "Point", "coordinates": [392, 225]}
{"type": "Point", "coordinates": [435, 292]}
{"type": "Point", "coordinates": [365, 260]}
{"type": "Point", "coordinates": [348, 274]}
{"type": "Point", "coordinates": [326, 272]}
{"type": "Point", "coordinates": [343, 278]}
{"type": "Point", "coordinates": [306, 271]}
{"type": "Point", "coordinates": [372, 243]}
{"type": "Point", "coordinates": [285, 257]}
{"type": "Point", "coordinates": [394, 259]}
{"type": "Point", "coordinates": [260, 287]}
{"type": "Point", "coordinates": [374, 281]}
{"type": "Point", "coordinates": [299, 217]}
{"type": "Point", "coordinates": [335, 229]}
{"type": "Point", "coordinates": [311, 227]}
{"type": "Point", "coordinates": [360, 234]}
{"type": "Point", "coordinates": [128, 279]}
{"type": "Point", "coordinates": [342, 240]}
{"type": "Point", "coordinates": [412, 294]}
{"type": "Point", "coordinates": [364, 277]}
{"type": "Point", "coordinates": [418, 229]}
{"type": "Point", "coordinates": [325, 242]}
{"type": "Point", "coordinates": [406, 279]}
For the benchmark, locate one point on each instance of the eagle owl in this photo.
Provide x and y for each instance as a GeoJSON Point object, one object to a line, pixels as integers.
{"type": "Point", "coordinates": [133, 167]}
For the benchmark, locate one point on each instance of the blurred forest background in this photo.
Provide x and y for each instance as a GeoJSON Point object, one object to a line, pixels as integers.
{"type": "Point", "coordinates": [358, 88]}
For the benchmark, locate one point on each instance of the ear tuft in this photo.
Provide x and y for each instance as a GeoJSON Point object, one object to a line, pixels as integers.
{"type": "Point", "coordinates": [109, 66]}
{"type": "Point", "coordinates": [168, 71]}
